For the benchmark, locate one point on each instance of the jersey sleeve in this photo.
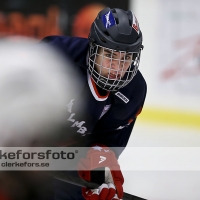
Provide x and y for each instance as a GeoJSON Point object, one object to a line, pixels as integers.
{"type": "Point", "coordinates": [73, 47]}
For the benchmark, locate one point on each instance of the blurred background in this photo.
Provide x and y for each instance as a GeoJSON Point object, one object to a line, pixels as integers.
{"type": "Point", "coordinates": [170, 63]}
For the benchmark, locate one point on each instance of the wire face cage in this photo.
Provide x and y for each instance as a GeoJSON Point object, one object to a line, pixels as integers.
{"type": "Point", "coordinates": [111, 69]}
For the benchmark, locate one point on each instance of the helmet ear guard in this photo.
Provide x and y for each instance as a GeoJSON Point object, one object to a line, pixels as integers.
{"type": "Point", "coordinates": [118, 31]}
{"type": "Point", "coordinates": [91, 41]}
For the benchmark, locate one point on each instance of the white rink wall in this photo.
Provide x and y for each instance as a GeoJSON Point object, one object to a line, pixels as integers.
{"type": "Point", "coordinates": [171, 116]}
{"type": "Point", "coordinates": [170, 60]}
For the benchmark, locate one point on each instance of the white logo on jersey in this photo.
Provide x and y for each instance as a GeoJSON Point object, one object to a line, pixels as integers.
{"type": "Point", "coordinates": [78, 124]}
{"type": "Point", "coordinates": [122, 97]}
{"type": "Point", "coordinates": [105, 110]}
{"type": "Point", "coordinates": [100, 148]}
{"type": "Point", "coordinates": [69, 106]}
{"type": "Point", "coordinates": [120, 127]}
{"type": "Point", "coordinates": [102, 159]}
{"type": "Point", "coordinates": [97, 148]}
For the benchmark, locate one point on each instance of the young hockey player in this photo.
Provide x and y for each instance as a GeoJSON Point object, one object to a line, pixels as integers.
{"type": "Point", "coordinates": [114, 90]}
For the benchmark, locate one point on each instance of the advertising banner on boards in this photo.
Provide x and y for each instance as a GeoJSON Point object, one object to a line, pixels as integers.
{"type": "Point", "coordinates": [38, 19]}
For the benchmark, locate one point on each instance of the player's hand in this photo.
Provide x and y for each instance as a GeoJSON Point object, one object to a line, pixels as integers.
{"type": "Point", "coordinates": [98, 157]}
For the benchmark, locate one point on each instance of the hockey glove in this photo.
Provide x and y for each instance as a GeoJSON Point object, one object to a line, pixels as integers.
{"type": "Point", "coordinates": [101, 158]}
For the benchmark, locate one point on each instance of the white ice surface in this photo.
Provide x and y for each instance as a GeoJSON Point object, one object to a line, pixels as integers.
{"type": "Point", "coordinates": [165, 184]}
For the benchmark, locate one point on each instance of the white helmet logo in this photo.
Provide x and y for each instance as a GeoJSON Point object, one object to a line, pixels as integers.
{"type": "Point", "coordinates": [135, 24]}
{"type": "Point", "coordinates": [102, 159]}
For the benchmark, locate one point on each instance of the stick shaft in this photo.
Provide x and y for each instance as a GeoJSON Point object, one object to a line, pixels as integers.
{"type": "Point", "coordinates": [66, 177]}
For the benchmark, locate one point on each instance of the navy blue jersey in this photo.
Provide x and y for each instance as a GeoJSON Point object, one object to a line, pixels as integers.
{"type": "Point", "coordinates": [106, 117]}
{"type": "Point", "coordinates": [95, 116]}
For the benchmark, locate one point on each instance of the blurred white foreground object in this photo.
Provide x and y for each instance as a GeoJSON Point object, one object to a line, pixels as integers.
{"type": "Point", "coordinates": [34, 89]}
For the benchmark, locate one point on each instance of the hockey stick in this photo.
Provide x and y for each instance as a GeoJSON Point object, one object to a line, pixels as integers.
{"type": "Point", "coordinates": [66, 177]}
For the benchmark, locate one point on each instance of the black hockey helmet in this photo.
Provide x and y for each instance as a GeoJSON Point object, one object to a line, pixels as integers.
{"type": "Point", "coordinates": [116, 30]}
